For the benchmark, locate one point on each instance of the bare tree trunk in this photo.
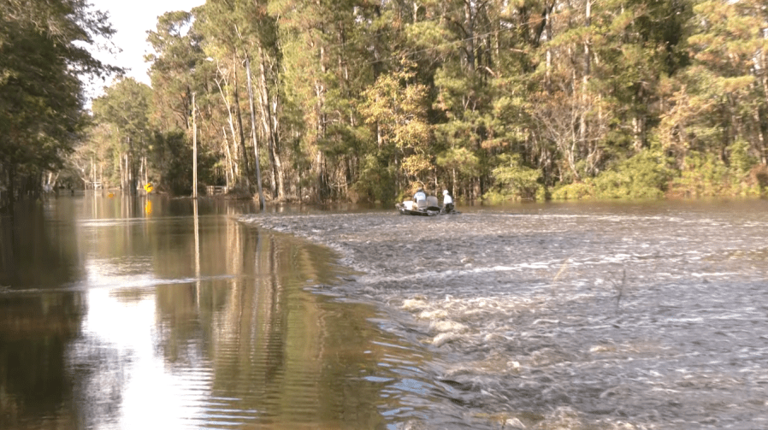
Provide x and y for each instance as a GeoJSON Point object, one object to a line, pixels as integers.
{"type": "Point", "coordinates": [231, 128]}
{"type": "Point", "coordinates": [230, 173]}
{"type": "Point", "coordinates": [469, 28]}
{"type": "Point", "coordinates": [141, 173]}
{"type": "Point", "coordinates": [548, 28]}
{"type": "Point", "coordinates": [270, 123]}
{"type": "Point", "coordinates": [760, 137]}
{"type": "Point", "coordinates": [130, 167]}
{"type": "Point", "coordinates": [322, 175]}
{"type": "Point", "coordinates": [194, 147]}
{"type": "Point", "coordinates": [11, 185]}
{"type": "Point", "coordinates": [122, 172]}
{"type": "Point", "coordinates": [585, 79]}
{"type": "Point", "coordinates": [266, 122]}
{"type": "Point", "coordinates": [253, 132]}
{"type": "Point", "coordinates": [246, 171]}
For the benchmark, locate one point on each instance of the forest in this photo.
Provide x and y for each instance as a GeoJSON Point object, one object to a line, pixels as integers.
{"type": "Point", "coordinates": [363, 100]}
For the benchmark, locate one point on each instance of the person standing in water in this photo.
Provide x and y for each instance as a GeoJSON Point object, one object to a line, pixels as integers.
{"type": "Point", "coordinates": [447, 202]}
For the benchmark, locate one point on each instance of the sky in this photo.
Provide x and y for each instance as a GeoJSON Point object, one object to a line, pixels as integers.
{"type": "Point", "coordinates": [132, 19]}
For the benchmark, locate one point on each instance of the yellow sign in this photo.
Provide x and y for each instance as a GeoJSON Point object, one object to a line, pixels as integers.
{"type": "Point", "coordinates": [148, 187]}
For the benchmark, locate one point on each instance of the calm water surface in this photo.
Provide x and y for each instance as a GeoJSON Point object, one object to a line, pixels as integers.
{"type": "Point", "coordinates": [134, 313]}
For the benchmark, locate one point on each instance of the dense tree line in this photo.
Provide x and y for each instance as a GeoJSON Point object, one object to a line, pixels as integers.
{"type": "Point", "coordinates": [43, 56]}
{"type": "Point", "coordinates": [494, 99]}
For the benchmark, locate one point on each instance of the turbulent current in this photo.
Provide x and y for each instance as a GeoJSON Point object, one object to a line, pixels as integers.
{"type": "Point", "coordinates": [626, 316]}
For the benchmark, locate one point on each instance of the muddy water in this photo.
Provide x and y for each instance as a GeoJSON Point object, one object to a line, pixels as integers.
{"type": "Point", "coordinates": [568, 316]}
{"type": "Point", "coordinates": [159, 314]}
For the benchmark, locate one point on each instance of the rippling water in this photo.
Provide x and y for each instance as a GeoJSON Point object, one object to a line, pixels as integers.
{"type": "Point", "coordinates": [116, 314]}
{"type": "Point", "coordinates": [650, 316]}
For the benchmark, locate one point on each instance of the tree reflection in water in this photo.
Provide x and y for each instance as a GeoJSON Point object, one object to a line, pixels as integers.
{"type": "Point", "coordinates": [121, 318]}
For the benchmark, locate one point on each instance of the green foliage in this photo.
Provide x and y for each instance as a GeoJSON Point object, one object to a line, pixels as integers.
{"type": "Point", "coordinates": [462, 160]}
{"type": "Point", "coordinates": [172, 151]}
{"type": "Point", "coordinates": [376, 181]}
{"type": "Point", "coordinates": [643, 176]}
{"type": "Point", "coordinates": [621, 100]}
{"type": "Point", "coordinates": [741, 161]}
{"type": "Point", "coordinates": [514, 180]}
{"type": "Point", "coordinates": [42, 57]}
{"type": "Point", "coordinates": [574, 191]}
{"type": "Point", "coordinates": [398, 109]}
{"type": "Point", "coordinates": [703, 175]}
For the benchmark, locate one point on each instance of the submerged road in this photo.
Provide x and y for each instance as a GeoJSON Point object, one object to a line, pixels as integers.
{"type": "Point", "coordinates": [647, 316]}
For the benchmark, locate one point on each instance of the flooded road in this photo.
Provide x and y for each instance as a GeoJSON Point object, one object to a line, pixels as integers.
{"type": "Point", "coordinates": [166, 314]}
{"type": "Point", "coordinates": [569, 316]}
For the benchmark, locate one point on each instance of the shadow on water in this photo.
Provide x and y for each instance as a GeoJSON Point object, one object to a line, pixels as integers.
{"type": "Point", "coordinates": [157, 313]}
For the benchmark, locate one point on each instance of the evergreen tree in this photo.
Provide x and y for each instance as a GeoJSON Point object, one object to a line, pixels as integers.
{"type": "Point", "coordinates": [42, 58]}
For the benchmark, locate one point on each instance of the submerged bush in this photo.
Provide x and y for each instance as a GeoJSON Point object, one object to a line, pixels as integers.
{"type": "Point", "coordinates": [376, 183]}
{"type": "Point", "coordinates": [705, 175]}
{"type": "Point", "coordinates": [759, 176]}
{"type": "Point", "coordinates": [514, 180]}
{"type": "Point", "coordinates": [575, 191]}
{"type": "Point", "coordinates": [643, 176]}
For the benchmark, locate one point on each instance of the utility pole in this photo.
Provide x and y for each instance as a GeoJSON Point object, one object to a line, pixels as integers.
{"type": "Point", "coordinates": [194, 148]}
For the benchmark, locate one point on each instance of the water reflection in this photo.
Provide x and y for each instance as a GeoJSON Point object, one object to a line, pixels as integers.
{"type": "Point", "coordinates": [112, 316]}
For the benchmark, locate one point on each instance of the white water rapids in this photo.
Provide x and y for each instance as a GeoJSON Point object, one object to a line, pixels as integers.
{"type": "Point", "coordinates": [606, 316]}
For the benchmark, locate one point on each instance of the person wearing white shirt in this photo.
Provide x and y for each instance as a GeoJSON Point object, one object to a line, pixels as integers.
{"type": "Point", "coordinates": [447, 202]}
{"type": "Point", "coordinates": [420, 195]}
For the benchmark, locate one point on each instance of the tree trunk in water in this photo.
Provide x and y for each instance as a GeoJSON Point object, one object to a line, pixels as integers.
{"type": "Point", "coordinates": [270, 123]}
{"type": "Point", "coordinates": [760, 137]}
{"type": "Point", "coordinates": [234, 134]}
{"type": "Point", "coordinates": [253, 133]}
{"type": "Point", "coordinates": [322, 175]}
{"type": "Point", "coordinates": [11, 186]}
{"type": "Point", "coordinates": [194, 147]}
{"type": "Point", "coordinates": [246, 171]}
{"type": "Point", "coordinates": [230, 172]}
{"type": "Point", "coordinates": [130, 168]}
{"type": "Point", "coordinates": [266, 123]}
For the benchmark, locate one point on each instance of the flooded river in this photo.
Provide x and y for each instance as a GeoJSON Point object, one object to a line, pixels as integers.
{"type": "Point", "coordinates": [119, 314]}
{"type": "Point", "coordinates": [135, 313]}
{"type": "Point", "coordinates": [571, 316]}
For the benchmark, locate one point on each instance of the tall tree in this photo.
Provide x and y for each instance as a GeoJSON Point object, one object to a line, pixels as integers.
{"type": "Point", "coordinates": [126, 107]}
{"type": "Point", "coordinates": [43, 55]}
